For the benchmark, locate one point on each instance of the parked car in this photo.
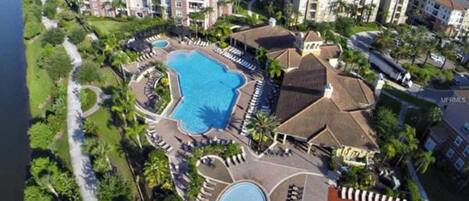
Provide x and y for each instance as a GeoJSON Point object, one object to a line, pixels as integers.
{"type": "Point", "coordinates": [437, 58]}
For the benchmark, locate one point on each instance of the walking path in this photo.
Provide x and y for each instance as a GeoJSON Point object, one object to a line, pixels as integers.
{"type": "Point", "coordinates": [415, 178]}
{"type": "Point", "coordinates": [100, 96]}
{"type": "Point", "coordinates": [82, 169]}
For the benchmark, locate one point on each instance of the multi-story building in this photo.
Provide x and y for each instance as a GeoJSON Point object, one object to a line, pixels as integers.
{"type": "Point", "coordinates": [139, 8]}
{"type": "Point", "coordinates": [105, 8]}
{"type": "Point", "coordinates": [451, 16]}
{"type": "Point", "coordinates": [451, 136]}
{"type": "Point", "coordinates": [98, 8]}
{"type": "Point", "coordinates": [393, 11]}
{"type": "Point", "coordinates": [181, 10]}
{"type": "Point", "coordinates": [328, 10]}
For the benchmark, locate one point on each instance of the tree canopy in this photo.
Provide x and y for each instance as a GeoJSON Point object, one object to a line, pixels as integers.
{"type": "Point", "coordinates": [88, 72]}
{"type": "Point", "coordinates": [112, 188]}
{"type": "Point", "coordinates": [54, 37]}
{"type": "Point", "coordinates": [40, 136]}
{"type": "Point", "coordinates": [57, 63]}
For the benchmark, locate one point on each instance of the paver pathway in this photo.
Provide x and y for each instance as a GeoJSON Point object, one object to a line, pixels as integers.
{"type": "Point", "coordinates": [82, 169]}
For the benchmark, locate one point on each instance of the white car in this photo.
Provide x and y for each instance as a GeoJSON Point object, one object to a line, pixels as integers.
{"type": "Point", "coordinates": [437, 58]}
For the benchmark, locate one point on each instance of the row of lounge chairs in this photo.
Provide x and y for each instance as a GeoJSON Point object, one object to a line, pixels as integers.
{"type": "Point", "coordinates": [146, 56]}
{"type": "Point", "coordinates": [235, 59]}
{"type": "Point", "coordinates": [206, 190]}
{"type": "Point", "coordinates": [236, 159]}
{"type": "Point", "coordinates": [362, 195]}
{"type": "Point", "coordinates": [199, 43]}
{"type": "Point", "coordinates": [149, 90]}
{"type": "Point", "coordinates": [295, 193]}
{"type": "Point", "coordinates": [235, 51]}
{"type": "Point", "coordinates": [152, 38]}
{"type": "Point", "coordinates": [252, 106]}
{"type": "Point", "coordinates": [157, 141]}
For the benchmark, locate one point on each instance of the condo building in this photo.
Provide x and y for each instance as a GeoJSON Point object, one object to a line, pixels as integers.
{"type": "Point", "coordinates": [451, 16]}
{"type": "Point", "coordinates": [393, 11]}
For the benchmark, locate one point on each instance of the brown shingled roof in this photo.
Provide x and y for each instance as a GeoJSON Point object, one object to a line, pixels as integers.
{"type": "Point", "coordinates": [301, 87]}
{"type": "Point", "coordinates": [454, 4]}
{"type": "Point", "coordinates": [311, 36]}
{"type": "Point", "coordinates": [288, 58]}
{"type": "Point", "coordinates": [329, 51]}
{"type": "Point", "coordinates": [272, 38]}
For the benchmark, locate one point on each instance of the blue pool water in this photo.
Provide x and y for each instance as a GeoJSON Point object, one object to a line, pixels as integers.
{"type": "Point", "coordinates": [243, 191]}
{"type": "Point", "coordinates": [208, 91]}
{"type": "Point", "coordinates": [160, 43]}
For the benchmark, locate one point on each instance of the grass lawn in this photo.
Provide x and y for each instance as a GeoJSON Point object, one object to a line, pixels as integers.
{"type": "Point", "coordinates": [109, 78]}
{"type": "Point", "coordinates": [62, 150]}
{"type": "Point", "coordinates": [109, 133]}
{"type": "Point", "coordinates": [40, 84]}
{"type": "Point", "coordinates": [440, 187]}
{"type": "Point", "coordinates": [87, 98]}
{"type": "Point", "coordinates": [365, 27]}
{"type": "Point", "coordinates": [409, 98]}
{"type": "Point", "coordinates": [390, 103]}
{"type": "Point", "coordinates": [105, 26]}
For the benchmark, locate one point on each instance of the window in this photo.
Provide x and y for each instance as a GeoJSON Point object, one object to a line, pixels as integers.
{"type": "Point", "coordinates": [178, 4]}
{"type": "Point", "coordinates": [466, 128]}
{"type": "Point", "coordinates": [459, 164]}
{"type": "Point", "coordinates": [466, 151]}
{"type": "Point", "coordinates": [450, 153]}
{"type": "Point", "coordinates": [458, 141]}
{"type": "Point", "coordinates": [430, 144]}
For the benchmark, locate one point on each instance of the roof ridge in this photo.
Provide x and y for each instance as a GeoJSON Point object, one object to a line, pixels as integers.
{"type": "Point", "coordinates": [303, 110]}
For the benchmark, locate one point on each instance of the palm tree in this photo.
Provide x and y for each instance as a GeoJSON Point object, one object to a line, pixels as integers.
{"type": "Point", "coordinates": [222, 31]}
{"type": "Point", "coordinates": [429, 48]}
{"type": "Point", "coordinates": [118, 5]}
{"type": "Point", "coordinates": [262, 127]}
{"type": "Point", "coordinates": [340, 7]}
{"type": "Point", "coordinates": [423, 160]}
{"type": "Point", "coordinates": [370, 9]}
{"type": "Point", "coordinates": [348, 57]}
{"type": "Point", "coordinates": [261, 56]}
{"type": "Point", "coordinates": [448, 52]}
{"type": "Point", "coordinates": [134, 131]}
{"type": "Point", "coordinates": [156, 170]}
{"type": "Point", "coordinates": [400, 51]}
{"type": "Point", "coordinates": [271, 9]}
{"type": "Point", "coordinates": [384, 40]}
{"type": "Point", "coordinates": [390, 148]}
{"type": "Point", "coordinates": [409, 142]}
{"type": "Point", "coordinates": [123, 104]}
{"type": "Point", "coordinates": [118, 59]}
{"type": "Point", "coordinates": [274, 68]}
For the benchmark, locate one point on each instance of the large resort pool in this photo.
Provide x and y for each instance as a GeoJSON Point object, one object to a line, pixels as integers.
{"type": "Point", "coordinates": [208, 91]}
{"type": "Point", "coordinates": [243, 191]}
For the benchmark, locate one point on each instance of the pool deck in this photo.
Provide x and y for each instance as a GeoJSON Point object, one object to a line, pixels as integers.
{"type": "Point", "coordinates": [272, 172]}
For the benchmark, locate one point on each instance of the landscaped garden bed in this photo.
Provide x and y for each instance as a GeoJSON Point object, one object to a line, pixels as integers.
{"type": "Point", "coordinates": [88, 99]}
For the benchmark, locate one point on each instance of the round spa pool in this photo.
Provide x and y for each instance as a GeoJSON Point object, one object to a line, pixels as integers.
{"type": "Point", "coordinates": [243, 191]}
{"type": "Point", "coordinates": [160, 43]}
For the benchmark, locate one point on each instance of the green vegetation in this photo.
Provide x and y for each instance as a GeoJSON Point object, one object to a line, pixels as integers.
{"type": "Point", "coordinates": [357, 177]}
{"type": "Point", "coordinates": [55, 61]}
{"type": "Point", "coordinates": [76, 36]}
{"type": "Point", "coordinates": [413, 190]}
{"type": "Point", "coordinates": [361, 27]}
{"type": "Point", "coordinates": [40, 136]}
{"type": "Point", "coordinates": [164, 93]}
{"type": "Point", "coordinates": [106, 26]}
{"type": "Point", "coordinates": [156, 170]}
{"type": "Point", "coordinates": [390, 103]}
{"type": "Point", "coordinates": [54, 37]}
{"type": "Point", "coordinates": [113, 188]}
{"type": "Point", "coordinates": [87, 98]}
{"type": "Point", "coordinates": [425, 73]}
{"type": "Point", "coordinates": [261, 129]}
{"type": "Point", "coordinates": [88, 73]}
{"type": "Point", "coordinates": [216, 149]}
{"type": "Point", "coordinates": [423, 118]}
{"type": "Point", "coordinates": [50, 8]}
{"type": "Point", "coordinates": [409, 98]}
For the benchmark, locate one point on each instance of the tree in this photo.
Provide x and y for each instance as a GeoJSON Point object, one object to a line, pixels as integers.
{"type": "Point", "coordinates": [118, 59]}
{"type": "Point", "coordinates": [114, 188]}
{"type": "Point", "coordinates": [400, 51]}
{"type": "Point", "coordinates": [434, 115]}
{"type": "Point", "coordinates": [54, 37]}
{"type": "Point", "coordinates": [384, 40]}
{"type": "Point", "coordinates": [88, 72]}
{"type": "Point", "coordinates": [261, 56]}
{"type": "Point", "coordinates": [390, 148]}
{"type": "Point", "coordinates": [134, 131]}
{"type": "Point", "coordinates": [270, 9]}
{"type": "Point", "coordinates": [348, 57]}
{"type": "Point", "coordinates": [274, 68]}
{"type": "Point", "coordinates": [43, 170]}
{"type": "Point", "coordinates": [423, 160]}
{"type": "Point", "coordinates": [119, 6]}
{"type": "Point", "coordinates": [57, 64]}
{"type": "Point", "coordinates": [123, 103]}
{"type": "Point", "coordinates": [222, 30]}
{"type": "Point", "coordinates": [448, 52]}
{"type": "Point", "coordinates": [40, 136]}
{"type": "Point", "coordinates": [409, 142]}
{"type": "Point", "coordinates": [34, 193]}
{"type": "Point", "coordinates": [340, 7]}
{"type": "Point", "coordinates": [261, 127]}
{"type": "Point", "coordinates": [156, 170]}
{"type": "Point", "coordinates": [429, 48]}
{"type": "Point", "coordinates": [32, 28]}
{"type": "Point", "coordinates": [50, 8]}
{"type": "Point", "coordinates": [386, 122]}
{"type": "Point", "coordinates": [77, 35]}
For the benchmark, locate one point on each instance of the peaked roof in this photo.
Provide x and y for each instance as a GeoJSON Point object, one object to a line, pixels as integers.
{"type": "Point", "coordinates": [454, 4]}
{"type": "Point", "coordinates": [312, 36]}
{"type": "Point", "coordinates": [288, 58]}
{"type": "Point", "coordinates": [272, 38]}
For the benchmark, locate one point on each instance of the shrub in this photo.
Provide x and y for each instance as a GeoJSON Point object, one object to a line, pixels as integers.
{"type": "Point", "coordinates": [50, 9]}
{"type": "Point", "coordinates": [77, 36]}
{"type": "Point", "coordinates": [88, 72]}
{"type": "Point", "coordinates": [414, 192]}
{"type": "Point", "coordinates": [40, 136]}
{"type": "Point", "coordinates": [223, 44]}
{"type": "Point", "coordinates": [54, 37]}
{"type": "Point", "coordinates": [67, 15]}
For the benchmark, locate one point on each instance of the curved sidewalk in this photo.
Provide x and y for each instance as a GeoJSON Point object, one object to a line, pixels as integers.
{"type": "Point", "coordinates": [100, 97]}
{"type": "Point", "coordinates": [82, 169]}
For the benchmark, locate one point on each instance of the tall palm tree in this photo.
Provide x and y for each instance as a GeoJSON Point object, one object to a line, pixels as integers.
{"type": "Point", "coordinates": [409, 142]}
{"type": "Point", "coordinates": [222, 31]}
{"type": "Point", "coordinates": [156, 170]}
{"type": "Point", "coordinates": [124, 104]}
{"type": "Point", "coordinates": [429, 48]}
{"type": "Point", "coordinates": [348, 57]}
{"type": "Point", "coordinates": [384, 40]}
{"type": "Point", "coordinates": [448, 52]}
{"type": "Point", "coordinates": [274, 68]}
{"type": "Point", "coordinates": [261, 127]}
{"type": "Point", "coordinates": [261, 56]}
{"type": "Point", "coordinates": [423, 160]}
{"type": "Point", "coordinates": [340, 7]}
{"type": "Point", "coordinates": [370, 9]}
{"type": "Point", "coordinates": [400, 51]}
{"type": "Point", "coordinates": [135, 131]}
{"type": "Point", "coordinates": [118, 59]}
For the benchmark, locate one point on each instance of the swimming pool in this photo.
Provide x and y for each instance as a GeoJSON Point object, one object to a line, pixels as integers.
{"type": "Point", "coordinates": [208, 91]}
{"type": "Point", "coordinates": [243, 191]}
{"type": "Point", "coordinates": [160, 43]}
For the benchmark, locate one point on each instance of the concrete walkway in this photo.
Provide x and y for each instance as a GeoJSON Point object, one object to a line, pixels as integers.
{"type": "Point", "coordinates": [100, 98]}
{"type": "Point", "coordinates": [82, 168]}
{"type": "Point", "coordinates": [415, 178]}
